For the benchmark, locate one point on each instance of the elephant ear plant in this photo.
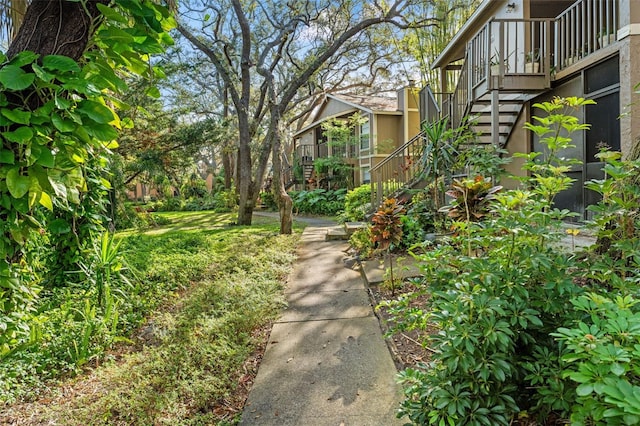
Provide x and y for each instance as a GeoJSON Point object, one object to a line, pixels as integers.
{"type": "Point", "coordinates": [387, 230]}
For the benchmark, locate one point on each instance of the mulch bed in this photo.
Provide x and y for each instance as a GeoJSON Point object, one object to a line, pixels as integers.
{"type": "Point", "coordinates": [405, 346]}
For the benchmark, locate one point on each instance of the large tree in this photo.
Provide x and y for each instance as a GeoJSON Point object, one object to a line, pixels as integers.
{"type": "Point", "coordinates": [56, 84]}
{"type": "Point", "coordinates": [266, 52]}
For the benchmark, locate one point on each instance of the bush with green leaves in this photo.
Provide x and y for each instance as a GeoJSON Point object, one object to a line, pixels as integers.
{"type": "Point", "coordinates": [602, 355]}
{"type": "Point", "coordinates": [502, 290]}
{"type": "Point", "coordinates": [319, 201]}
{"type": "Point", "coordinates": [357, 203]}
{"type": "Point", "coordinates": [54, 114]}
{"type": "Point", "coordinates": [361, 242]}
{"type": "Point", "coordinates": [269, 200]}
{"type": "Point", "coordinates": [194, 187]}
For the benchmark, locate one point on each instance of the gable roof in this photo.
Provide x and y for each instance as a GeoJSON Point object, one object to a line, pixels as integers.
{"type": "Point", "coordinates": [367, 104]}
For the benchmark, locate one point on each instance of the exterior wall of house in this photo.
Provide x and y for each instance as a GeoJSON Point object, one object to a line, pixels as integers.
{"type": "Point", "coordinates": [573, 198]}
{"type": "Point", "coordinates": [629, 39]}
{"type": "Point", "coordinates": [388, 135]}
{"type": "Point", "coordinates": [520, 141]}
{"type": "Point", "coordinates": [334, 108]}
{"type": "Point", "coordinates": [409, 104]}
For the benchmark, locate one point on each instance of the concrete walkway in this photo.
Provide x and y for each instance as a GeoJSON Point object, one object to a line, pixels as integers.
{"type": "Point", "coordinates": [326, 362]}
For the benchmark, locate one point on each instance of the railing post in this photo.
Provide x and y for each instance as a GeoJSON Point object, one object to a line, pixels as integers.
{"type": "Point", "coordinates": [547, 51]}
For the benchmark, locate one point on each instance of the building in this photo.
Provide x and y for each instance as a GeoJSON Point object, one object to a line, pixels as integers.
{"type": "Point", "coordinates": [514, 53]}
{"type": "Point", "coordinates": [384, 124]}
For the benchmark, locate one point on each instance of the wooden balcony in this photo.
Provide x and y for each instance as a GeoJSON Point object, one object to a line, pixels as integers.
{"type": "Point", "coordinates": [507, 63]}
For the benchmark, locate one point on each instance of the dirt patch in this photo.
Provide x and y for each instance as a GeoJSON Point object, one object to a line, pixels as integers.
{"type": "Point", "coordinates": [407, 347]}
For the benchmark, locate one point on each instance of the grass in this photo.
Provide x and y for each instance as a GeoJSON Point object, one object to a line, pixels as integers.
{"type": "Point", "coordinates": [211, 287]}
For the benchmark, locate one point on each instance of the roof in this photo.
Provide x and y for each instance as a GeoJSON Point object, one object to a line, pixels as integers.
{"type": "Point", "coordinates": [369, 103]}
{"type": "Point", "coordinates": [456, 47]}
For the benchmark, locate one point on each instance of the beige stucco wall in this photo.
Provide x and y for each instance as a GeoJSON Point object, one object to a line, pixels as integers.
{"type": "Point", "coordinates": [388, 133]}
{"type": "Point", "coordinates": [520, 141]}
{"type": "Point", "coordinates": [629, 36]}
{"type": "Point", "coordinates": [306, 138]}
{"type": "Point", "coordinates": [413, 123]}
{"type": "Point", "coordinates": [413, 100]}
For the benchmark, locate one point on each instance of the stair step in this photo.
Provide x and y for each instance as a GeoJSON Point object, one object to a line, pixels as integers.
{"type": "Point", "coordinates": [486, 139]}
{"type": "Point", "coordinates": [336, 233]}
{"type": "Point", "coordinates": [486, 128]}
{"type": "Point", "coordinates": [351, 227]}
{"type": "Point", "coordinates": [504, 109]}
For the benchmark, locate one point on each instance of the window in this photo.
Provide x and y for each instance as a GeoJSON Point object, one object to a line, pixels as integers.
{"type": "Point", "coordinates": [366, 174]}
{"type": "Point", "coordinates": [365, 136]}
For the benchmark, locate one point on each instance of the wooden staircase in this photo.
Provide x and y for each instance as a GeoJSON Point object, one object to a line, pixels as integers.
{"type": "Point", "coordinates": [510, 106]}
{"type": "Point", "coordinates": [492, 97]}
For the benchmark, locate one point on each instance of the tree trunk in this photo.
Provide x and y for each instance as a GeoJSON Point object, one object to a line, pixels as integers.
{"type": "Point", "coordinates": [244, 184]}
{"type": "Point", "coordinates": [285, 204]}
{"type": "Point", "coordinates": [57, 27]}
{"type": "Point", "coordinates": [228, 168]}
{"type": "Point", "coordinates": [227, 163]}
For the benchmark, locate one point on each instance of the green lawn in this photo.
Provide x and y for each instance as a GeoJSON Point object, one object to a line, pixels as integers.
{"type": "Point", "coordinates": [205, 286]}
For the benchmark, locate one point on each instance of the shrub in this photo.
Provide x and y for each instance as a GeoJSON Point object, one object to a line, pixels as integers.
{"type": "Point", "coordinates": [497, 301]}
{"type": "Point", "coordinates": [602, 355]}
{"type": "Point", "coordinates": [361, 242]}
{"type": "Point", "coordinates": [386, 231]}
{"type": "Point", "coordinates": [319, 201]}
{"type": "Point", "coordinates": [269, 200]}
{"type": "Point", "coordinates": [357, 203]}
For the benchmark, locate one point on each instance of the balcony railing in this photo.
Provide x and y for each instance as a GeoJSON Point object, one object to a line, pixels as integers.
{"type": "Point", "coordinates": [461, 95]}
{"type": "Point", "coordinates": [516, 55]}
{"type": "Point", "coordinates": [429, 106]}
{"type": "Point", "coordinates": [583, 29]}
{"type": "Point", "coordinates": [515, 47]}
{"type": "Point", "coordinates": [304, 154]}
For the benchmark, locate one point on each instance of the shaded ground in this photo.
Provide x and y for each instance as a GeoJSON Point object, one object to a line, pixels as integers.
{"type": "Point", "coordinates": [405, 346]}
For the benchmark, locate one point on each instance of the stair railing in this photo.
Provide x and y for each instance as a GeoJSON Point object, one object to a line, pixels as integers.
{"type": "Point", "coordinates": [398, 170]}
{"type": "Point", "coordinates": [461, 94]}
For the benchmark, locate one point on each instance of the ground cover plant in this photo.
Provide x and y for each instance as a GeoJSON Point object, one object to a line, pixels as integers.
{"type": "Point", "coordinates": [177, 325]}
{"type": "Point", "coordinates": [319, 201]}
{"type": "Point", "coordinates": [524, 332]}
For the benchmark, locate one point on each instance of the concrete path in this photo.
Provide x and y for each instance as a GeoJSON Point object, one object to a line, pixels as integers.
{"type": "Point", "coordinates": [326, 362]}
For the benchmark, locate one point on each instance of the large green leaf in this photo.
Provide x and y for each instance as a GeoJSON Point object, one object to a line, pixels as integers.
{"type": "Point", "coordinates": [116, 35]}
{"type": "Point", "coordinates": [60, 63]}
{"type": "Point", "coordinates": [59, 188]}
{"type": "Point", "coordinates": [43, 155]}
{"type": "Point", "coordinates": [23, 58]}
{"type": "Point", "coordinates": [102, 132]}
{"type": "Point", "coordinates": [95, 111]}
{"type": "Point", "coordinates": [59, 226]}
{"type": "Point", "coordinates": [45, 200]}
{"type": "Point", "coordinates": [111, 14]}
{"type": "Point", "coordinates": [61, 102]}
{"type": "Point", "coordinates": [42, 74]}
{"type": "Point", "coordinates": [7, 156]}
{"type": "Point", "coordinates": [18, 185]}
{"type": "Point", "coordinates": [15, 78]}
{"type": "Point", "coordinates": [16, 115]}
{"type": "Point", "coordinates": [20, 135]}
{"type": "Point", "coordinates": [62, 124]}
